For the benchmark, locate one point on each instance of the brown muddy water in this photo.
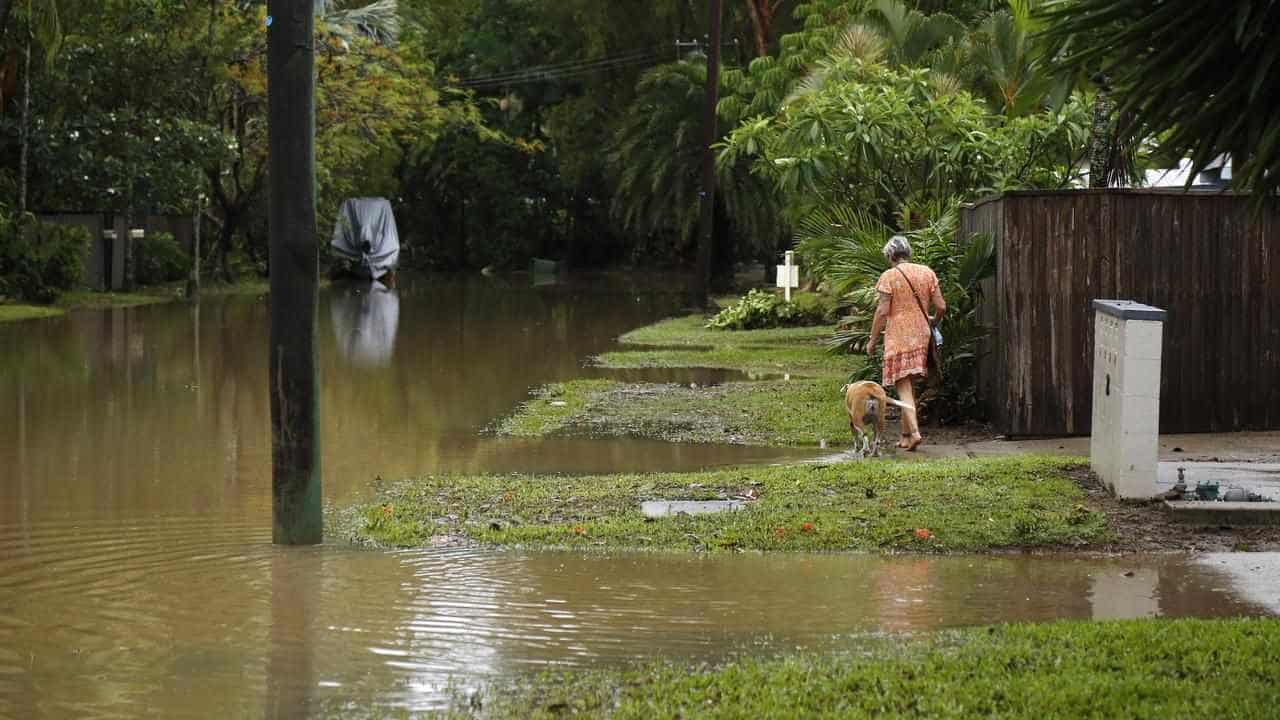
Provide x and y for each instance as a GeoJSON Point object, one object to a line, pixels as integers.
{"type": "Point", "coordinates": [137, 577]}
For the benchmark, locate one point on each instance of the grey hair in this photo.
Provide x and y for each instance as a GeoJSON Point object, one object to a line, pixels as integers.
{"type": "Point", "coordinates": [897, 247]}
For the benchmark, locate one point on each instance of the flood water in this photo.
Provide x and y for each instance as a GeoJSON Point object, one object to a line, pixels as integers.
{"type": "Point", "coordinates": [137, 576]}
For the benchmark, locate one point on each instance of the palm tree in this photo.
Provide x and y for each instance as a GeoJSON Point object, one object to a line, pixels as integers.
{"type": "Point", "coordinates": [44, 29]}
{"type": "Point", "coordinates": [1202, 76]}
{"type": "Point", "coordinates": [655, 155]}
{"type": "Point", "coordinates": [378, 20]}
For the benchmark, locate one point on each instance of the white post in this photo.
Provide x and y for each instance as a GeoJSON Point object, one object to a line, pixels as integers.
{"type": "Point", "coordinates": [788, 274]}
{"type": "Point", "coordinates": [1124, 438]}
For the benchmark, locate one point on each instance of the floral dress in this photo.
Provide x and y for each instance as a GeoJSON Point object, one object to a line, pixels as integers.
{"type": "Point", "coordinates": [906, 337]}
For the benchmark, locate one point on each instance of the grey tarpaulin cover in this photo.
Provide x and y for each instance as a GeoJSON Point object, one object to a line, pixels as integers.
{"type": "Point", "coordinates": [366, 235]}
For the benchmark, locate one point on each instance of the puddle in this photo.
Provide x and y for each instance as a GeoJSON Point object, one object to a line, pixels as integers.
{"type": "Point", "coordinates": [667, 508]}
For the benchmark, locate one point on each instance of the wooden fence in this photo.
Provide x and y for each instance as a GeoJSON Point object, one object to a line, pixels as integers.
{"type": "Point", "coordinates": [1212, 260]}
{"type": "Point", "coordinates": [104, 261]}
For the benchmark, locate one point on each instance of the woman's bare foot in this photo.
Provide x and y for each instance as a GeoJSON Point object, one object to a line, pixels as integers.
{"type": "Point", "coordinates": [904, 440]}
{"type": "Point", "coordinates": [916, 439]}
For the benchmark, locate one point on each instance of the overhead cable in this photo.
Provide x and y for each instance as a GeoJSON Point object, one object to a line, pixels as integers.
{"type": "Point", "coordinates": [564, 70]}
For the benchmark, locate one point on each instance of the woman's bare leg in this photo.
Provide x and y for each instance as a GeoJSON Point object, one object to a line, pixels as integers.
{"type": "Point", "coordinates": [910, 422]}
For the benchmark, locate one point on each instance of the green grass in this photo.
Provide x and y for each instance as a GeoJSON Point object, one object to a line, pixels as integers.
{"type": "Point", "coordinates": [553, 407]}
{"type": "Point", "coordinates": [1155, 669]}
{"type": "Point", "coordinates": [799, 412]}
{"type": "Point", "coordinates": [687, 342]}
{"type": "Point", "coordinates": [692, 330]}
{"type": "Point", "coordinates": [93, 300]}
{"type": "Point", "coordinates": [802, 358]}
{"type": "Point", "coordinates": [795, 403]}
{"type": "Point", "coordinates": [967, 505]}
{"type": "Point", "coordinates": [151, 295]}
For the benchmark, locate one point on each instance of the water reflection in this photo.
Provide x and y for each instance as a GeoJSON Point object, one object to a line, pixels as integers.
{"type": "Point", "coordinates": [137, 578]}
{"type": "Point", "coordinates": [186, 618]}
{"type": "Point", "coordinates": [365, 317]}
{"type": "Point", "coordinates": [138, 412]}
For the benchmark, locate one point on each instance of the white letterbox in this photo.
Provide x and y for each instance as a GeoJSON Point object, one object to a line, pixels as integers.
{"type": "Point", "coordinates": [788, 274]}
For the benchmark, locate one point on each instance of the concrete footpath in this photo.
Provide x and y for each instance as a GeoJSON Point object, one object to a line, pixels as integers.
{"type": "Point", "coordinates": [1245, 460]}
{"type": "Point", "coordinates": [1248, 460]}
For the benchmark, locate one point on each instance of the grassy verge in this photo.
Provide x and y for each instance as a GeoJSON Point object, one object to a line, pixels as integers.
{"type": "Point", "coordinates": [941, 506]}
{"type": "Point", "coordinates": [796, 401]}
{"type": "Point", "coordinates": [692, 330]}
{"type": "Point", "coordinates": [94, 300]}
{"type": "Point", "coordinates": [553, 407]}
{"type": "Point", "coordinates": [800, 412]}
{"type": "Point", "coordinates": [14, 312]}
{"type": "Point", "coordinates": [1130, 669]}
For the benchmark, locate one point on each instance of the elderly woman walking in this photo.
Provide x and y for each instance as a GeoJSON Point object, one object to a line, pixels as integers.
{"type": "Point", "coordinates": [906, 291]}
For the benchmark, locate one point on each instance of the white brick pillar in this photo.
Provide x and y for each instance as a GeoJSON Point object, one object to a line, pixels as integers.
{"type": "Point", "coordinates": [1124, 440]}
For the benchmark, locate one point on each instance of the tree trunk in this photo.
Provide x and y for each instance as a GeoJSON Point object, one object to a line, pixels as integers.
{"type": "Point", "coordinates": [226, 238]}
{"type": "Point", "coordinates": [193, 281]}
{"type": "Point", "coordinates": [25, 130]}
{"type": "Point", "coordinates": [295, 257]}
{"type": "Point", "coordinates": [707, 197]}
{"type": "Point", "coordinates": [130, 264]}
{"type": "Point", "coordinates": [1100, 139]}
{"type": "Point", "coordinates": [761, 24]}
{"type": "Point", "coordinates": [5, 7]}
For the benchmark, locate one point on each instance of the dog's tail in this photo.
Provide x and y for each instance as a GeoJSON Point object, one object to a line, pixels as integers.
{"type": "Point", "coordinates": [899, 403]}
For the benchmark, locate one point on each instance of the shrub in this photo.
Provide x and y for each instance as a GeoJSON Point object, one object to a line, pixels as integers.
{"type": "Point", "coordinates": [160, 259]}
{"type": "Point", "coordinates": [760, 309]}
{"type": "Point", "coordinates": [40, 261]}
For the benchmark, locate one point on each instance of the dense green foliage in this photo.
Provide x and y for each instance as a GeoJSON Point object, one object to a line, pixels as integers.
{"type": "Point", "coordinates": [39, 261]}
{"type": "Point", "coordinates": [1148, 669]}
{"type": "Point", "coordinates": [1200, 76]}
{"type": "Point", "coordinates": [161, 259]}
{"type": "Point", "coordinates": [510, 129]}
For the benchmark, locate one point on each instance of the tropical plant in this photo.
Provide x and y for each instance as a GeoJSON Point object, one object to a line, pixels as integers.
{"type": "Point", "coordinates": [1200, 76]}
{"type": "Point", "coordinates": [880, 139]}
{"type": "Point", "coordinates": [655, 158]}
{"type": "Point", "coordinates": [761, 309]}
{"type": "Point", "coordinates": [843, 246]}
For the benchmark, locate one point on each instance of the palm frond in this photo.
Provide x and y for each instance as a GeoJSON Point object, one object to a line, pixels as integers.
{"type": "Point", "coordinates": [379, 20]}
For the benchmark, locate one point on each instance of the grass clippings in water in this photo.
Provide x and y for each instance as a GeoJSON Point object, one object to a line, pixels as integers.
{"type": "Point", "coordinates": [937, 506]}
{"type": "Point", "coordinates": [1155, 669]}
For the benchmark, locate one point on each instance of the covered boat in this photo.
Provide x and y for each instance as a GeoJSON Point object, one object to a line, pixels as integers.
{"type": "Point", "coordinates": [365, 237]}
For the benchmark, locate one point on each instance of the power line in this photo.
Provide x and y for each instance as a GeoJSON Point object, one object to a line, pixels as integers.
{"type": "Point", "coordinates": [558, 70]}
{"type": "Point", "coordinates": [544, 76]}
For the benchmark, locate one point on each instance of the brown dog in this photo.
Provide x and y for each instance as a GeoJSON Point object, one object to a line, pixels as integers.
{"type": "Point", "coordinates": [857, 402]}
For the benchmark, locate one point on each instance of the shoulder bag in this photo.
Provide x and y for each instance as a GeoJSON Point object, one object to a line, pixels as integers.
{"type": "Point", "coordinates": [935, 336]}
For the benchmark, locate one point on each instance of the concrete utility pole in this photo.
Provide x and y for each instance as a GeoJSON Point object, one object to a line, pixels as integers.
{"type": "Point", "coordinates": [294, 258]}
{"type": "Point", "coordinates": [707, 196]}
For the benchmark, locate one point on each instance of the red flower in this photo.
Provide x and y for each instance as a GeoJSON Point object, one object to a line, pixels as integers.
{"type": "Point", "coordinates": [387, 510]}
{"type": "Point", "coordinates": [578, 530]}
{"type": "Point", "coordinates": [807, 527]}
{"type": "Point", "coordinates": [923, 533]}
